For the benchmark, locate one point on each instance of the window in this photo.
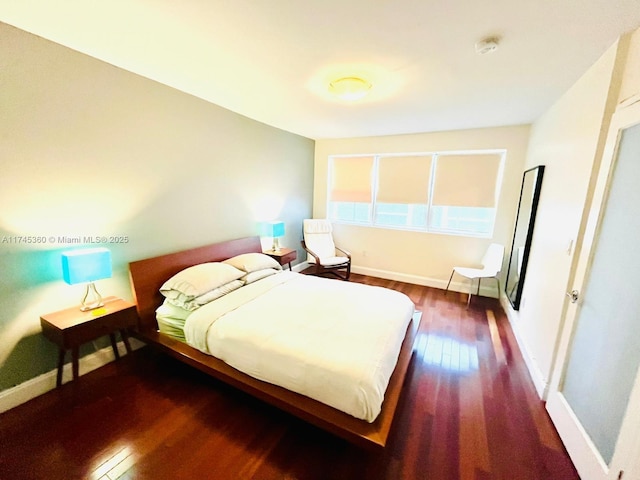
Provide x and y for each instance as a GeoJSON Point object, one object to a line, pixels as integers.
{"type": "Point", "coordinates": [402, 190]}
{"type": "Point", "coordinates": [465, 193]}
{"type": "Point", "coordinates": [446, 192]}
{"type": "Point", "coordinates": [350, 180]}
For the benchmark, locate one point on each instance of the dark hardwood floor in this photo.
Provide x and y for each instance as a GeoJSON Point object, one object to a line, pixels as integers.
{"type": "Point", "coordinates": [468, 411]}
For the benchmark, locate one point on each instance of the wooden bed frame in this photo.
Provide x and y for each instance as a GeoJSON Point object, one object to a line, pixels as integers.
{"type": "Point", "coordinates": [148, 275]}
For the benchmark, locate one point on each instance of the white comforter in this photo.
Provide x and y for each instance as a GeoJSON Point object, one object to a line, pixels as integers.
{"type": "Point", "coordinates": [333, 341]}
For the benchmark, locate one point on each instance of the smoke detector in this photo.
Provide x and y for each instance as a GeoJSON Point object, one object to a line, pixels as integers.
{"type": "Point", "coordinates": [487, 45]}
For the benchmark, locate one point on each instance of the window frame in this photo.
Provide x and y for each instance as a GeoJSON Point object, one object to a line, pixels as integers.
{"type": "Point", "coordinates": [428, 227]}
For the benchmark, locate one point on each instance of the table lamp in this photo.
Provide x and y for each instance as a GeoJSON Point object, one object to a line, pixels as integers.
{"type": "Point", "coordinates": [274, 230]}
{"type": "Point", "coordinates": [87, 266]}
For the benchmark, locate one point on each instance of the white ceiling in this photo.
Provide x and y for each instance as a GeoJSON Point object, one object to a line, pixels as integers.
{"type": "Point", "coordinates": [272, 59]}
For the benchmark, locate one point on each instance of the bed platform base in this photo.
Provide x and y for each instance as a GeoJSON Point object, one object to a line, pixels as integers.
{"type": "Point", "coordinates": [148, 275]}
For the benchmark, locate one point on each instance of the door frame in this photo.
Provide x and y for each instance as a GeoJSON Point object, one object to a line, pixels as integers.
{"type": "Point", "coordinates": [582, 450]}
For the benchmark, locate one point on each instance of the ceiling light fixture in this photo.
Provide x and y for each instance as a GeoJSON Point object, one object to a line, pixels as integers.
{"type": "Point", "coordinates": [349, 88]}
{"type": "Point", "coordinates": [487, 45]}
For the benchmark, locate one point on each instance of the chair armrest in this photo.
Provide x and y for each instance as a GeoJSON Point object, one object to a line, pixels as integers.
{"type": "Point", "coordinates": [345, 252]}
{"type": "Point", "coordinates": [310, 252]}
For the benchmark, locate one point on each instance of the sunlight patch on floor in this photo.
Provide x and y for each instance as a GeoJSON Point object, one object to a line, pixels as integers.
{"type": "Point", "coordinates": [115, 466]}
{"type": "Point", "coordinates": [495, 338]}
{"type": "Point", "coordinates": [449, 353]}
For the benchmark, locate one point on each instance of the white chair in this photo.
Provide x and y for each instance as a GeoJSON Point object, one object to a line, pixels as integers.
{"type": "Point", "coordinates": [322, 251]}
{"type": "Point", "coordinates": [491, 266]}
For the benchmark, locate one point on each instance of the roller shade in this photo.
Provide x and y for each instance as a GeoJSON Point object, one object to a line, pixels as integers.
{"type": "Point", "coordinates": [351, 179]}
{"type": "Point", "coordinates": [404, 179]}
{"type": "Point", "coordinates": [466, 180]}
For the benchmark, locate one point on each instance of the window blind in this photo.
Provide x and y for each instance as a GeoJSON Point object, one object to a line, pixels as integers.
{"type": "Point", "coordinates": [351, 179]}
{"type": "Point", "coordinates": [404, 179]}
{"type": "Point", "coordinates": [466, 180]}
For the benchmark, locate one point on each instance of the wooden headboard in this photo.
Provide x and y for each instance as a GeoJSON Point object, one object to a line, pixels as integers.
{"type": "Point", "coordinates": [147, 276]}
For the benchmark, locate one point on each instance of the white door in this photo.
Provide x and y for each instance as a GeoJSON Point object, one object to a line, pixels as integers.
{"type": "Point", "coordinates": [594, 400]}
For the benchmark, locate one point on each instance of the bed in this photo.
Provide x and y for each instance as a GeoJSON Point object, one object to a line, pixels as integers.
{"type": "Point", "coordinates": [147, 276]}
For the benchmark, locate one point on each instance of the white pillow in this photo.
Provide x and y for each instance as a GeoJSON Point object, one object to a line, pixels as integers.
{"type": "Point", "coordinates": [258, 274]}
{"type": "Point", "coordinates": [196, 303]}
{"type": "Point", "coordinates": [198, 280]}
{"type": "Point", "coordinates": [217, 293]}
{"type": "Point", "coordinates": [251, 262]}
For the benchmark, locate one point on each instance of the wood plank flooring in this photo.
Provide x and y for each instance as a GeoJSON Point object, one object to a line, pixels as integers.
{"type": "Point", "coordinates": [468, 411]}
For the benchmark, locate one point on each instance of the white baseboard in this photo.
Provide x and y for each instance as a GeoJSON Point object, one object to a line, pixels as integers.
{"type": "Point", "coordinates": [541, 385]}
{"type": "Point", "coordinates": [34, 387]}
{"type": "Point", "coordinates": [299, 267]}
{"type": "Point", "coordinates": [488, 288]}
{"type": "Point", "coordinates": [585, 455]}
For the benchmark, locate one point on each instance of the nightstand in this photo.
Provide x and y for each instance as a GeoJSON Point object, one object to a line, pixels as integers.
{"type": "Point", "coordinates": [70, 328]}
{"type": "Point", "coordinates": [285, 255]}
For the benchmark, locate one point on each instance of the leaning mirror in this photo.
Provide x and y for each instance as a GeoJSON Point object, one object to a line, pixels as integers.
{"type": "Point", "coordinates": [522, 234]}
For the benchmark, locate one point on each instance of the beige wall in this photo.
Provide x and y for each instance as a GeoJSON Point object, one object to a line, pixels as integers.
{"type": "Point", "coordinates": [630, 86]}
{"type": "Point", "coordinates": [424, 258]}
{"type": "Point", "coordinates": [87, 149]}
{"type": "Point", "coordinates": [569, 139]}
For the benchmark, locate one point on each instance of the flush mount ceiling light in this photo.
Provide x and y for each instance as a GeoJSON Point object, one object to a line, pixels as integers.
{"type": "Point", "coordinates": [487, 45]}
{"type": "Point", "coordinates": [349, 88]}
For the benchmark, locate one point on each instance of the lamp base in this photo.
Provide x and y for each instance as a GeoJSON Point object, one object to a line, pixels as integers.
{"type": "Point", "coordinates": [92, 299]}
{"type": "Point", "coordinates": [276, 245]}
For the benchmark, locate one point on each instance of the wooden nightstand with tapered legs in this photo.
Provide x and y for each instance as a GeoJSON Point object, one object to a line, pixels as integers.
{"type": "Point", "coordinates": [70, 328]}
{"type": "Point", "coordinates": [283, 256]}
